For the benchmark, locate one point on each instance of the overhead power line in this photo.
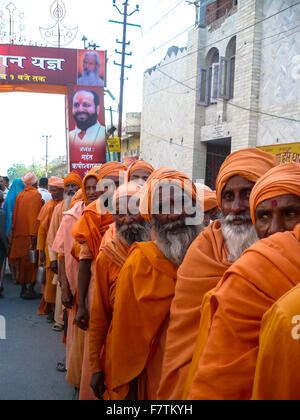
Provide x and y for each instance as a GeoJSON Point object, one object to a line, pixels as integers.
{"type": "Point", "coordinates": [231, 103]}
{"type": "Point", "coordinates": [231, 35]}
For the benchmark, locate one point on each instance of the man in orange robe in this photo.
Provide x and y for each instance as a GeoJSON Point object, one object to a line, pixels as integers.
{"type": "Point", "coordinates": [72, 183]}
{"type": "Point", "coordinates": [56, 189]}
{"type": "Point", "coordinates": [146, 285]}
{"type": "Point", "coordinates": [277, 374]}
{"type": "Point", "coordinates": [89, 231]}
{"type": "Point", "coordinates": [68, 277]}
{"type": "Point", "coordinates": [24, 234]}
{"type": "Point", "coordinates": [130, 228]}
{"type": "Point", "coordinates": [266, 271]}
{"type": "Point", "coordinates": [211, 254]}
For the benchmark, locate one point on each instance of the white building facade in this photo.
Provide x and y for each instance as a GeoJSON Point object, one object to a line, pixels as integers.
{"type": "Point", "coordinates": [235, 85]}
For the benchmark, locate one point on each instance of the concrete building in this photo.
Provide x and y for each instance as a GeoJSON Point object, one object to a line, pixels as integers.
{"type": "Point", "coordinates": [130, 143]}
{"type": "Point", "coordinates": [235, 85]}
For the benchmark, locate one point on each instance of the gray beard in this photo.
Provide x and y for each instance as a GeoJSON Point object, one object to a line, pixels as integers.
{"type": "Point", "coordinates": [135, 232]}
{"type": "Point", "coordinates": [90, 78]}
{"type": "Point", "coordinates": [68, 199]}
{"type": "Point", "coordinates": [238, 238]}
{"type": "Point", "coordinates": [174, 239]}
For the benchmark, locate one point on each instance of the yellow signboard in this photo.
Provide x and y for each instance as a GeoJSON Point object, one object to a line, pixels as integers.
{"type": "Point", "coordinates": [114, 145]}
{"type": "Point", "coordinates": [284, 153]}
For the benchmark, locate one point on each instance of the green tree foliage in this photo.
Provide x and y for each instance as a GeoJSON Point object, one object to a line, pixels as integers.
{"type": "Point", "coordinates": [57, 167]}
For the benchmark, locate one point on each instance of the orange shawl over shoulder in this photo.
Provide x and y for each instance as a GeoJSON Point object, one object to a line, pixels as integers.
{"type": "Point", "coordinates": [46, 214]}
{"type": "Point", "coordinates": [108, 265]}
{"type": "Point", "coordinates": [27, 207]}
{"type": "Point", "coordinates": [145, 289]}
{"type": "Point", "coordinates": [277, 374]}
{"type": "Point", "coordinates": [203, 267]}
{"type": "Point", "coordinates": [264, 273]}
{"type": "Point", "coordinates": [55, 222]}
{"type": "Point", "coordinates": [91, 227]}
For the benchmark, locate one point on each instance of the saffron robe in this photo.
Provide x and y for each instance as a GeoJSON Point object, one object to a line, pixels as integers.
{"type": "Point", "coordinates": [203, 267]}
{"type": "Point", "coordinates": [144, 292]}
{"type": "Point", "coordinates": [264, 273]}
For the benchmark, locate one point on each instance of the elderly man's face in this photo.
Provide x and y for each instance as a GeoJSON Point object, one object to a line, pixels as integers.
{"type": "Point", "coordinates": [57, 193]}
{"type": "Point", "coordinates": [235, 200]}
{"type": "Point", "coordinates": [171, 225]}
{"type": "Point", "coordinates": [129, 222]}
{"type": "Point", "coordinates": [170, 205]}
{"type": "Point", "coordinates": [71, 189]}
{"type": "Point", "coordinates": [90, 64]}
{"type": "Point", "coordinates": [237, 228]}
{"type": "Point", "coordinates": [85, 112]}
{"type": "Point", "coordinates": [277, 214]}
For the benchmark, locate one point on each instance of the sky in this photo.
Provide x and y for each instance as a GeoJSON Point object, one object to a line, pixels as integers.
{"type": "Point", "coordinates": [26, 117]}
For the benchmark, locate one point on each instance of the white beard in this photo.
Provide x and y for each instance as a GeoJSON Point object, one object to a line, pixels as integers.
{"type": "Point", "coordinates": [68, 199]}
{"type": "Point", "coordinates": [174, 239]}
{"type": "Point", "coordinates": [238, 238]}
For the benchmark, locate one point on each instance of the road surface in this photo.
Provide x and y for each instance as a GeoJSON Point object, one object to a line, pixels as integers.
{"type": "Point", "coordinates": [29, 355]}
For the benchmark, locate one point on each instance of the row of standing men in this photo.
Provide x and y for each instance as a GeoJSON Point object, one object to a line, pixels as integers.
{"type": "Point", "coordinates": [160, 303]}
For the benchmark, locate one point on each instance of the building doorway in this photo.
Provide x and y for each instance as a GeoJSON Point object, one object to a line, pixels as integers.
{"type": "Point", "coordinates": [217, 151]}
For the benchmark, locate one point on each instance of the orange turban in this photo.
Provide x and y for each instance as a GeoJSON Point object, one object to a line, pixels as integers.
{"type": "Point", "coordinates": [281, 180]}
{"type": "Point", "coordinates": [95, 170]}
{"type": "Point", "coordinates": [112, 169]}
{"type": "Point", "coordinates": [73, 178]}
{"type": "Point", "coordinates": [29, 179]}
{"type": "Point", "coordinates": [89, 175]}
{"type": "Point", "coordinates": [247, 163]}
{"type": "Point", "coordinates": [209, 196]}
{"type": "Point", "coordinates": [54, 181]}
{"type": "Point", "coordinates": [159, 177]}
{"type": "Point", "coordinates": [137, 166]}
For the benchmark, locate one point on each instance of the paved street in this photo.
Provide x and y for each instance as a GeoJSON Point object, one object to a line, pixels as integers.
{"type": "Point", "coordinates": [30, 352]}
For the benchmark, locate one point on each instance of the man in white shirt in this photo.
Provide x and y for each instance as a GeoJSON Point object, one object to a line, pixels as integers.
{"type": "Point", "coordinates": [87, 141]}
{"type": "Point", "coordinates": [43, 189]}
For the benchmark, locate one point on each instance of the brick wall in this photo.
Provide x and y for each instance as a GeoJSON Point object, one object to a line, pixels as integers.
{"type": "Point", "coordinates": [217, 10]}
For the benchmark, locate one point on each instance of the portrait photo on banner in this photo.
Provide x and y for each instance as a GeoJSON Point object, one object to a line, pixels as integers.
{"type": "Point", "coordinates": [87, 145]}
{"type": "Point", "coordinates": [91, 68]}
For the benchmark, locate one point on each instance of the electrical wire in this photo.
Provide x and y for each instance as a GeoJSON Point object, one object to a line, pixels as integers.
{"type": "Point", "coordinates": [231, 35]}
{"type": "Point", "coordinates": [233, 104]}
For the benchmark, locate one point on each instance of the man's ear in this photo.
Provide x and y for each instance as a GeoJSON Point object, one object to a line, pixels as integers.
{"type": "Point", "coordinates": [98, 109]}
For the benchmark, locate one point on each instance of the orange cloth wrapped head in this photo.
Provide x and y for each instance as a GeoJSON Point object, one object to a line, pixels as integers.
{"type": "Point", "coordinates": [208, 196]}
{"type": "Point", "coordinates": [29, 179]}
{"type": "Point", "coordinates": [54, 181]}
{"type": "Point", "coordinates": [95, 220]}
{"type": "Point", "coordinates": [158, 177]}
{"type": "Point", "coordinates": [250, 164]}
{"type": "Point", "coordinates": [95, 170]}
{"type": "Point", "coordinates": [137, 166]}
{"type": "Point", "coordinates": [281, 180]}
{"type": "Point", "coordinates": [112, 169]}
{"type": "Point", "coordinates": [73, 178]}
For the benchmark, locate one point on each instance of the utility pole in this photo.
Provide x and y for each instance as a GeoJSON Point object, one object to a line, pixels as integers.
{"type": "Point", "coordinates": [124, 44]}
{"type": "Point", "coordinates": [46, 166]}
